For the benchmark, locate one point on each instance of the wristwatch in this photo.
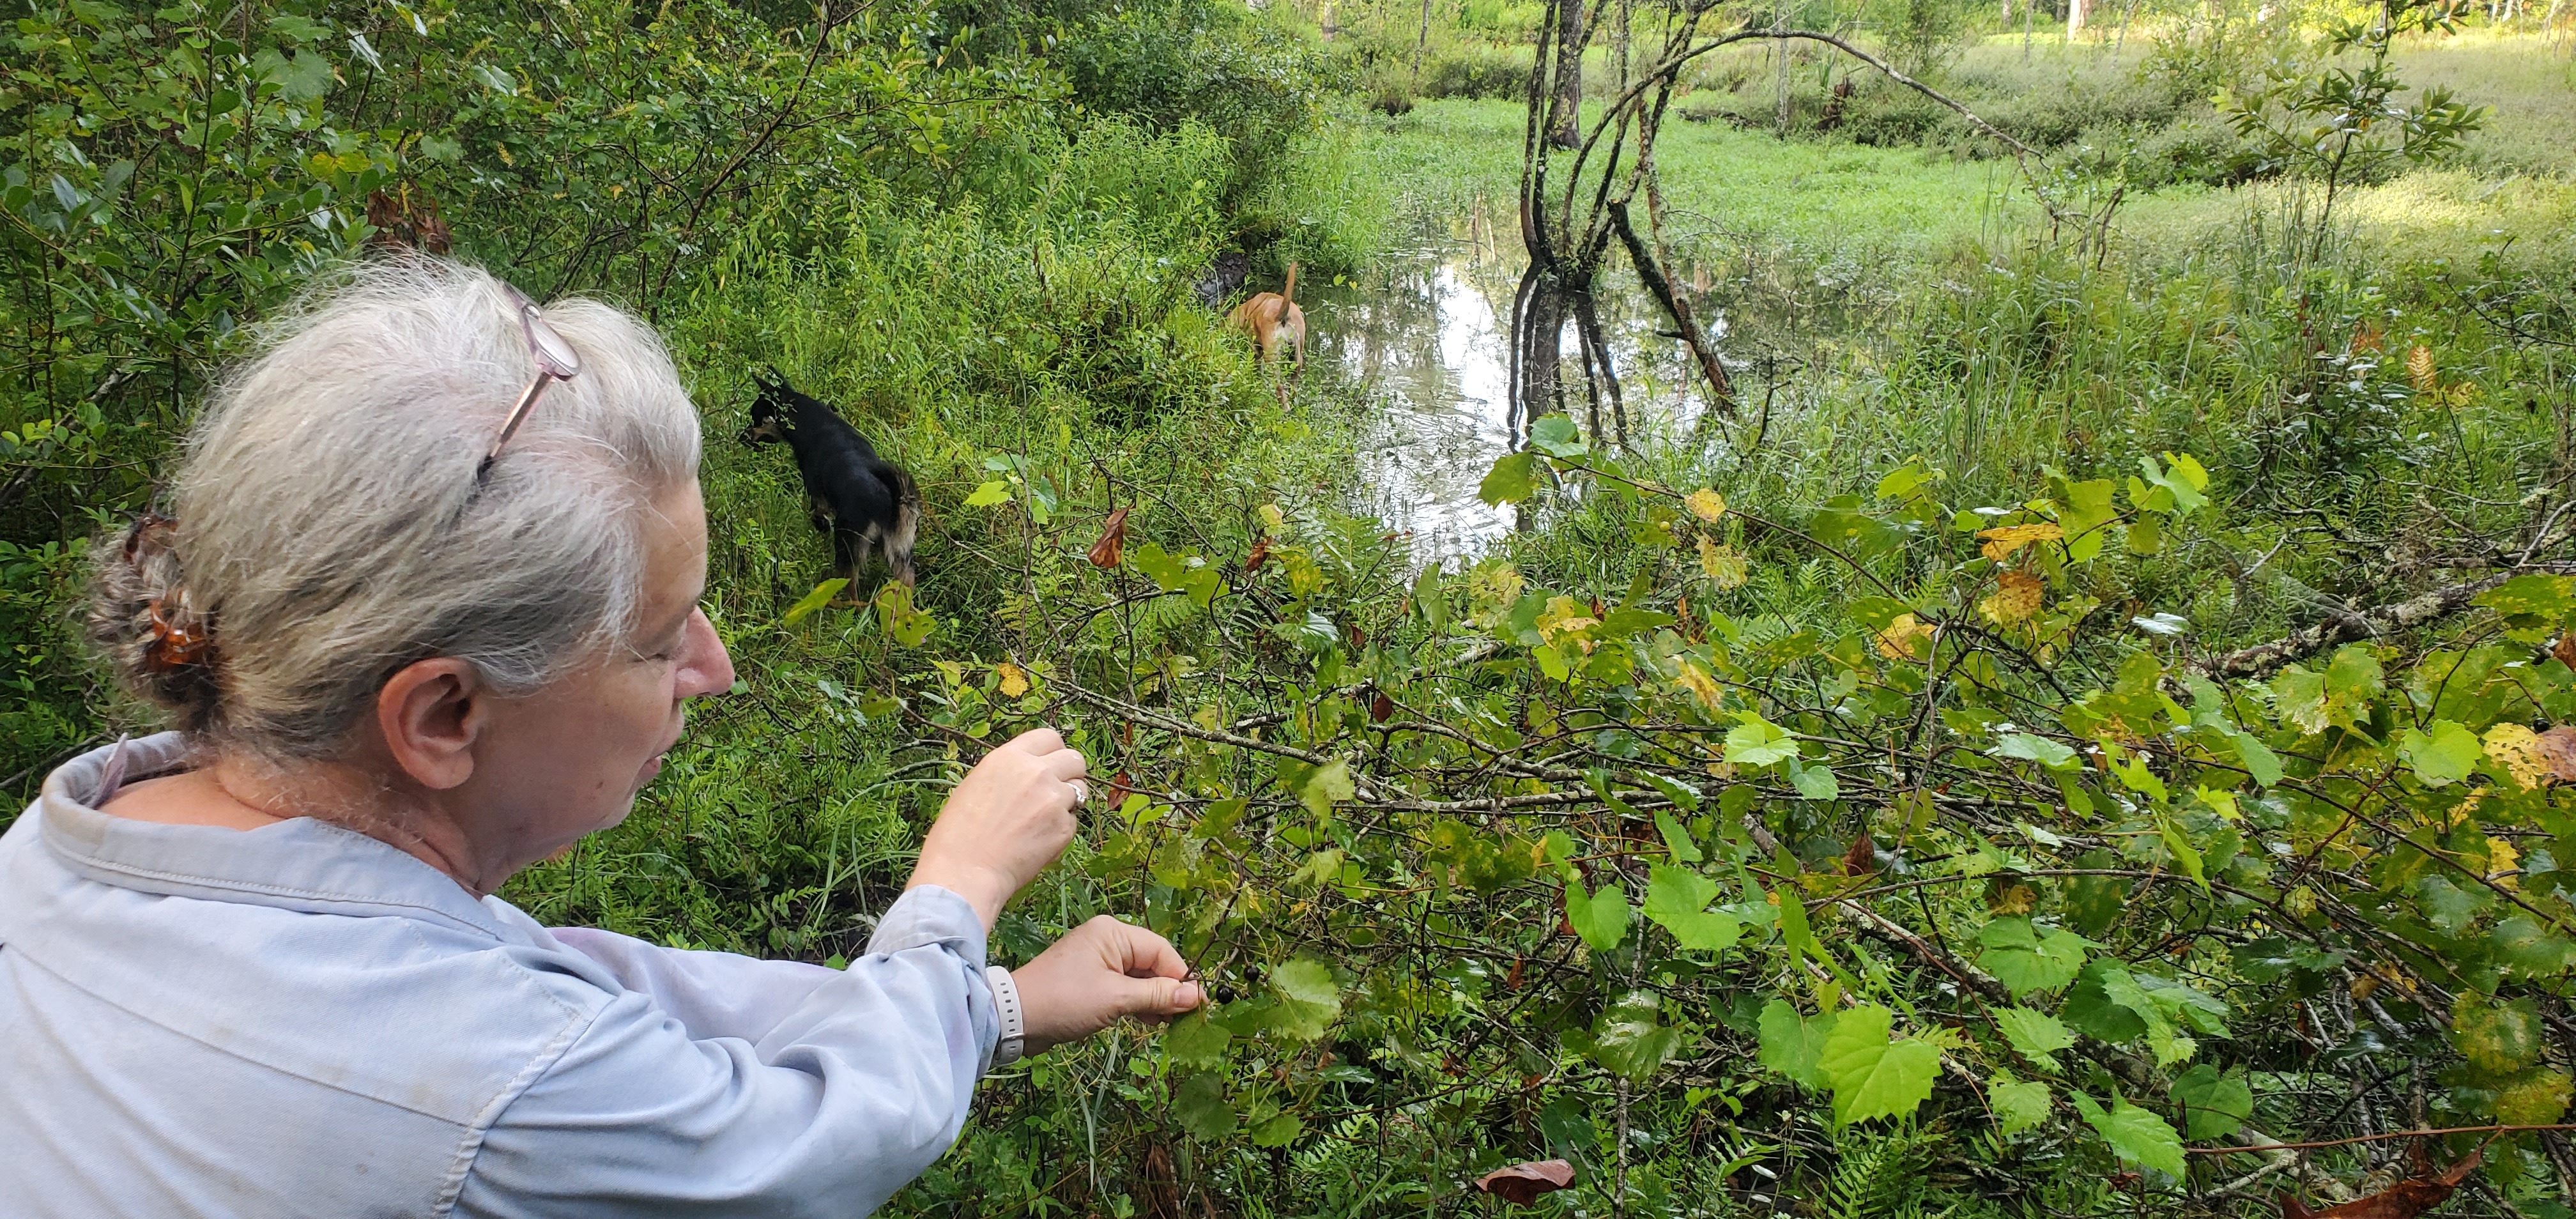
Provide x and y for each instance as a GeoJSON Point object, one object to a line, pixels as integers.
{"type": "Point", "coordinates": [1006, 1004]}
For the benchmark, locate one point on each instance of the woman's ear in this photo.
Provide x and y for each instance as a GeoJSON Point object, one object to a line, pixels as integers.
{"type": "Point", "coordinates": [430, 713]}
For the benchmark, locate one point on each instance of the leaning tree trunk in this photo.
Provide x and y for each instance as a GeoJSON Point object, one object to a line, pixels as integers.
{"type": "Point", "coordinates": [1538, 346]}
{"type": "Point", "coordinates": [1565, 111]}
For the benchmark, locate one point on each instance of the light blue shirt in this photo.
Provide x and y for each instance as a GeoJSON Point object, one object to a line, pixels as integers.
{"type": "Point", "coordinates": [298, 1020]}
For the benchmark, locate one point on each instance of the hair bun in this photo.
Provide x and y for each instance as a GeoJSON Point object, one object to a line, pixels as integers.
{"type": "Point", "coordinates": [162, 646]}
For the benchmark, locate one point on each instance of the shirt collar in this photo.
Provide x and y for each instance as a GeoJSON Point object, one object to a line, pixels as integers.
{"type": "Point", "coordinates": [297, 864]}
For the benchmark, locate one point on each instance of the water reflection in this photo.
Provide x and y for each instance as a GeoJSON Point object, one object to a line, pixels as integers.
{"type": "Point", "coordinates": [1428, 333]}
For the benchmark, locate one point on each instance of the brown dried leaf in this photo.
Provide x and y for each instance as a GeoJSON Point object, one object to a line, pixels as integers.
{"type": "Point", "coordinates": [1862, 858]}
{"type": "Point", "coordinates": [2404, 1200]}
{"type": "Point", "coordinates": [1380, 708]}
{"type": "Point", "coordinates": [1113, 540]}
{"type": "Point", "coordinates": [2556, 750]}
{"type": "Point", "coordinates": [1521, 1184]}
{"type": "Point", "coordinates": [2565, 650]}
{"type": "Point", "coordinates": [1260, 555]}
{"type": "Point", "coordinates": [2017, 596]}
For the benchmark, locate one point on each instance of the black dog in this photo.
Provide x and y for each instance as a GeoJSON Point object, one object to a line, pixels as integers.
{"type": "Point", "coordinates": [864, 501]}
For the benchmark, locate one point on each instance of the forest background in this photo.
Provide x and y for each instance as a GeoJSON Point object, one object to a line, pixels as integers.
{"type": "Point", "coordinates": [2075, 730]}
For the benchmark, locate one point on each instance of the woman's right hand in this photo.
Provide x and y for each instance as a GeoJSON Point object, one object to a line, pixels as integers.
{"type": "Point", "coordinates": [1004, 823]}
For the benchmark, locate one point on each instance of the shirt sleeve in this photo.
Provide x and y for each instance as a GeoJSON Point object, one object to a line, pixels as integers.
{"type": "Point", "coordinates": [711, 994]}
{"type": "Point", "coordinates": [844, 1097]}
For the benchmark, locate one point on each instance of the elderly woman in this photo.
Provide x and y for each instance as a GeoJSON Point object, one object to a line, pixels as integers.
{"type": "Point", "coordinates": [427, 613]}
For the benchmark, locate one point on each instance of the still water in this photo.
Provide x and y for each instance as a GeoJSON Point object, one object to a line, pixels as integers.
{"type": "Point", "coordinates": [1427, 333]}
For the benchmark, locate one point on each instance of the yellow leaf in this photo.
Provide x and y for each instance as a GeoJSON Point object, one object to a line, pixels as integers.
{"type": "Point", "coordinates": [1014, 682]}
{"type": "Point", "coordinates": [2422, 370]}
{"type": "Point", "coordinates": [1725, 567]}
{"type": "Point", "coordinates": [2502, 858]}
{"type": "Point", "coordinates": [2517, 749]}
{"type": "Point", "coordinates": [1897, 641]}
{"type": "Point", "coordinates": [1564, 618]}
{"type": "Point", "coordinates": [1706, 504]}
{"type": "Point", "coordinates": [2017, 596]}
{"type": "Point", "coordinates": [1701, 685]}
{"type": "Point", "coordinates": [2001, 542]}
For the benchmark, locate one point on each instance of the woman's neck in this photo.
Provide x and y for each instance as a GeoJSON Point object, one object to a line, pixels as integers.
{"type": "Point", "coordinates": [232, 795]}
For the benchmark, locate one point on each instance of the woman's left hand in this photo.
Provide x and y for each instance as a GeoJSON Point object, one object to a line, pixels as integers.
{"type": "Point", "coordinates": [1099, 973]}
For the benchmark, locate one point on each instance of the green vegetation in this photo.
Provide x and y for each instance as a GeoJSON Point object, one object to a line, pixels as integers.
{"type": "Point", "coordinates": [2102, 709]}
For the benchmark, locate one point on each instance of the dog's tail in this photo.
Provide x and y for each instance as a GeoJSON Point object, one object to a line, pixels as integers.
{"type": "Point", "coordinates": [1288, 292]}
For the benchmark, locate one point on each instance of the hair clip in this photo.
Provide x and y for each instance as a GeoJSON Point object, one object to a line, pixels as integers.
{"type": "Point", "coordinates": [175, 645]}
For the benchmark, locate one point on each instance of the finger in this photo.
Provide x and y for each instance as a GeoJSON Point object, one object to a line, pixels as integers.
{"type": "Point", "coordinates": [1149, 955]}
{"type": "Point", "coordinates": [1158, 997]}
{"type": "Point", "coordinates": [1038, 741]}
{"type": "Point", "coordinates": [1066, 765]}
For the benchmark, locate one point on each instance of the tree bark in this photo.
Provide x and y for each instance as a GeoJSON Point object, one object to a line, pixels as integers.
{"type": "Point", "coordinates": [2261, 659]}
{"type": "Point", "coordinates": [1541, 342]}
{"type": "Point", "coordinates": [1565, 112]}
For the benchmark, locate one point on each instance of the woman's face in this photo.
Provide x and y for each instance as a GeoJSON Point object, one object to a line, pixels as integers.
{"type": "Point", "coordinates": [570, 759]}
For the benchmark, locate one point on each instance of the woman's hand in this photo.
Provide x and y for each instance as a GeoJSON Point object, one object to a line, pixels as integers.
{"type": "Point", "coordinates": [1005, 822]}
{"type": "Point", "coordinates": [1098, 973]}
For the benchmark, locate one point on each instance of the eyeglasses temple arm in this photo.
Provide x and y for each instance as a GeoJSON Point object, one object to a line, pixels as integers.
{"type": "Point", "coordinates": [518, 415]}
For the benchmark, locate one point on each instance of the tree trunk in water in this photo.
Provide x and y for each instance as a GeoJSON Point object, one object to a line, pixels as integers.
{"type": "Point", "coordinates": [1598, 370]}
{"type": "Point", "coordinates": [1565, 129]}
{"type": "Point", "coordinates": [1539, 344]}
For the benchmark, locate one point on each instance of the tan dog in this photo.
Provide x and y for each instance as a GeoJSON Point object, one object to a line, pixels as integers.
{"type": "Point", "coordinates": [1272, 318]}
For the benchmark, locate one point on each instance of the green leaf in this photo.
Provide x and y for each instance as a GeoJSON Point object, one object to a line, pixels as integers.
{"type": "Point", "coordinates": [1601, 918]}
{"type": "Point", "coordinates": [2498, 1039]}
{"type": "Point", "coordinates": [1792, 1045]}
{"type": "Point", "coordinates": [2055, 755]}
{"type": "Point", "coordinates": [1676, 899]}
{"type": "Point", "coordinates": [1309, 1002]}
{"type": "Point", "coordinates": [1330, 784]}
{"type": "Point", "coordinates": [1870, 1075]}
{"type": "Point", "coordinates": [2034, 1035]}
{"type": "Point", "coordinates": [2443, 756]}
{"type": "Point", "coordinates": [2089, 1009]}
{"type": "Point", "coordinates": [2354, 675]}
{"type": "Point", "coordinates": [1628, 1040]}
{"type": "Point", "coordinates": [2027, 959]}
{"type": "Point", "coordinates": [2534, 596]}
{"type": "Point", "coordinates": [2018, 1106]}
{"type": "Point", "coordinates": [1194, 1041]}
{"type": "Point", "coordinates": [1676, 839]}
{"type": "Point", "coordinates": [1279, 1131]}
{"type": "Point", "coordinates": [2135, 1135]}
{"type": "Point", "coordinates": [1556, 436]}
{"type": "Point", "coordinates": [1514, 478]}
{"type": "Point", "coordinates": [1758, 742]}
{"type": "Point", "coordinates": [997, 491]}
{"type": "Point", "coordinates": [2214, 1106]}
{"type": "Point", "coordinates": [1199, 1105]}
{"type": "Point", "coordinates": [1814, 782]}
{"type": "Point", "coordinates": [806, 605]}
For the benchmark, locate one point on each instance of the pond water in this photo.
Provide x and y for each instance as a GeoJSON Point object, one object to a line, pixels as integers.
{"type": "Point", "coordinates": [1427, 334]}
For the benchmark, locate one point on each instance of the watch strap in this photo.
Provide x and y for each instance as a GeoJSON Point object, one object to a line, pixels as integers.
{"type": "Point", "coordinates": [1006, 1005]}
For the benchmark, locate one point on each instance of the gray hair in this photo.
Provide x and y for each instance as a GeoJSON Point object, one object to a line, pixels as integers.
{"type": "Point", "coordinates": [329, 527]}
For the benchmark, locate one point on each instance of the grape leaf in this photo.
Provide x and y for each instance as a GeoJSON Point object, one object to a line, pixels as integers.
{"type": "Point", "coordinates": [2213, 1105]}
{"type": "Point", "coordinates": [1199, 1105]}
{"type": "Point", "coordinates": [1791, 1044]}
{"type": "Point", "coordinates": [1628, 1040]}
{"type": "Point", "coordinates": [1758, 742]}
{"type": "Point", "coordinates": [2443, 756]}
{"type": "Point", "coordinates": [2017, 1105]}
{"type": "Point", "coordinates": [1514, 478]}
{"type": "Point", "coordinates": [1871, 1075]}
{"type": "Point", "coordinates": [1308, 1000]}
{"type": "Point", "coordinates": [1196, 1042]}
{"type": "Point", "coordinates": [2035, 1035]}
{"type": "Point", "coordinates": [1676, 839]}
{"type": "Point", "coordinates": [2027, 959]}
{"type": "Point", "coordinates": [2135, 1135]}
{"type": "Point", "coordinates": [997, 491]}
{"type": "Point", "coordinates": [1601, 917]}
{"type": "Point", "coordinates": [1676, 899]}
{"type": "Point", "coordinates": [1555, 435]}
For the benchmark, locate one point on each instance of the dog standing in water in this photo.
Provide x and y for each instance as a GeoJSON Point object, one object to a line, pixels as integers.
{"type": "Point", "coordinates": [1273, 319]}
{"type": "Point", "coordinates": [864, 501]}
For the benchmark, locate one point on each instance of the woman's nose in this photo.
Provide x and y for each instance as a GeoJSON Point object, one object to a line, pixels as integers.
{"type": "Point", "coordinates": [705, 667]}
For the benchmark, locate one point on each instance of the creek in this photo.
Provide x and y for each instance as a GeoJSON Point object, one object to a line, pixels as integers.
{"type": "Point", "coordinates": [1425, 332]}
